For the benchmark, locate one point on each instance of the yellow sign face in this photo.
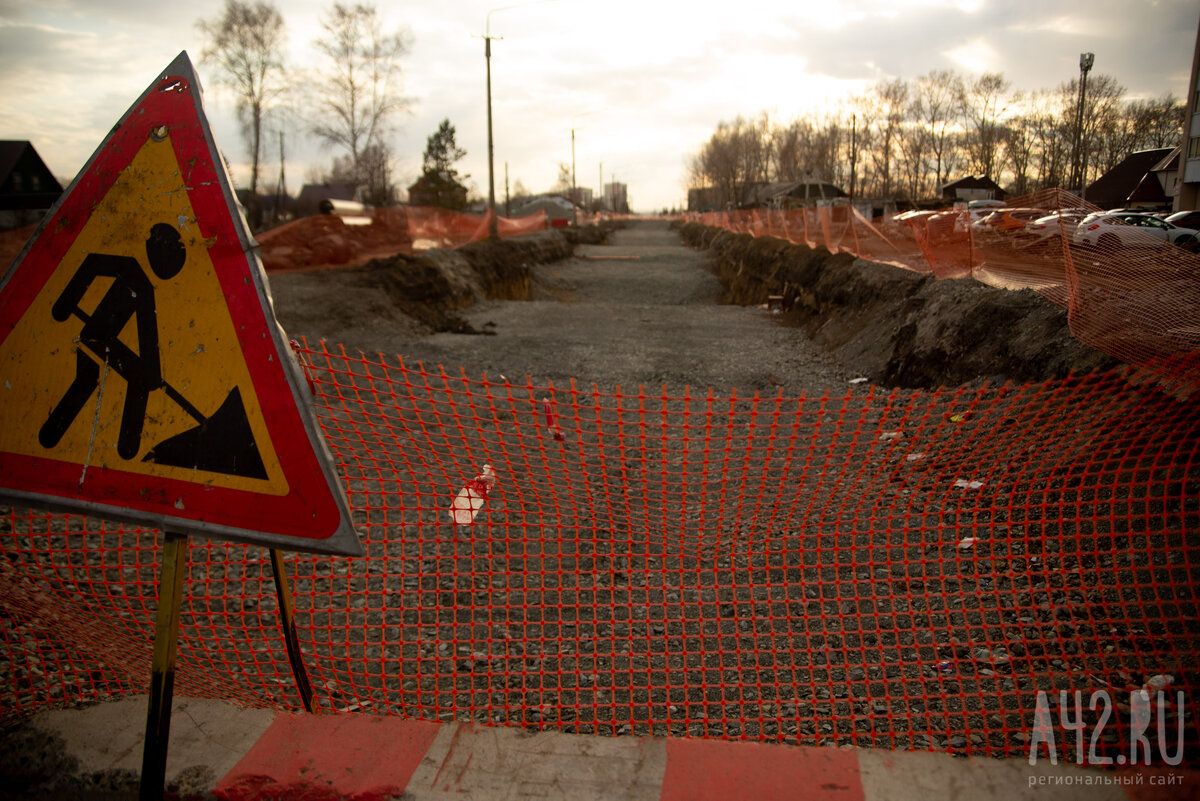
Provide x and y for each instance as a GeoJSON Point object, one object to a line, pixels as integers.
{"type": "Point", "coordinates": [128, 357]}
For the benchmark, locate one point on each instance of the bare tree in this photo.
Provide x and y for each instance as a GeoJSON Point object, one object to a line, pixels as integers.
{"type": "Point", "coordinates": [735, 157]}
{"type": "Point", "coordinates": [358, 91]}
{"type": "Point", "coordinates": [806, 150]}
{"type": "Point", "coordinates": [915, 145]}
{"type": "Point", "coordinates": [890, 99]}
{"type": "Point", "coordinates": [1020, 139]}
{"type": "Point", "coordinates": [246, 42]}
{"type": "Point", "coordinates": [934, 98]}
{"type": "Point", "coordinates": [1100, 124]}
{"type": "Point", "coordinates": [563, 185]}
{"type": "Point", "coordinates": [1157, 121]}
{"type": "Point", "coordinates": [983, 103]}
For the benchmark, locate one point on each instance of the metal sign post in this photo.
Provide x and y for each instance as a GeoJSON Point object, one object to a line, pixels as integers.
{"type": "Point", "coordinates": [162, 669]}
{"type": "Point", "coordinates": [205, 427]}
{"type": "Point", "coordinates": [287, 622]}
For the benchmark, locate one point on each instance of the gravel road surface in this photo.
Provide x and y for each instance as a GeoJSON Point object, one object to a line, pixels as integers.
{"type": "Point", "coordinates": [643, 310]}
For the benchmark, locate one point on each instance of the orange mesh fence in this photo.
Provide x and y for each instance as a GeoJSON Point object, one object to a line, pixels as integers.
{"type": "Point", "coordinates": [1130, 290]}
{"type": "Point", "coordinates": [331, 240]}
{"type": "Point", "coordinates": [891, 569]}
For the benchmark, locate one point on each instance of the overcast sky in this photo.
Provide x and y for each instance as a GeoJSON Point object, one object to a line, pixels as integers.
{"type": "Point", "coordinates": [643, 82]}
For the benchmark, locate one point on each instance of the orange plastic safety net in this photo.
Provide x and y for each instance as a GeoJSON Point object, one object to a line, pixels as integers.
{"type": "Point", "coordinates": [330, 240]}
{"type": "Point", "coordinates": [963, 570]}
{"type": "Point", "coordinates": [1131, 288]}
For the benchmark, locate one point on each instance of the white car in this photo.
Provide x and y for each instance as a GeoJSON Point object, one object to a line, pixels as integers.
{"type": "Point", "coordinates": [1053, 226]}
{"type": "Point", "coordinates": [1109, 231]}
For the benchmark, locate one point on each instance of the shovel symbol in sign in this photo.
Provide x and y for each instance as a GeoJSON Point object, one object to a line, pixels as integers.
{"type": "Point", "coordinates": [221, 443]}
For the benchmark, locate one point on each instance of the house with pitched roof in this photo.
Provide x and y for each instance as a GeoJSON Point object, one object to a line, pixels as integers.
{"type": "Point", "coordinates": [1136, 181]}
{"type": "Point", "coordinates": [27, 187]}
{"type": "Point", "coordinates": [973, 187]}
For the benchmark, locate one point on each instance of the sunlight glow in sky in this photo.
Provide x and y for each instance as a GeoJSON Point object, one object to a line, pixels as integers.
{"type": "Point", "coordinates": [643, 83]}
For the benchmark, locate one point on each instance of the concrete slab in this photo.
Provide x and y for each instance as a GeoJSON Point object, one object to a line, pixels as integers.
{"type": "Point", "coordinates": [207, 738]}
{"type": "Point", "coordinates": [469, 762]}
{"type": "Point", "coordinates": [254, 755]}
{"type": "Point", "coordinates": [920, 776]}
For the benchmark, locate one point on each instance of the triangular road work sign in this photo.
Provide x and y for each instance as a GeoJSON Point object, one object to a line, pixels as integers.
{"type": "Point", "coordinates": [143, 376]}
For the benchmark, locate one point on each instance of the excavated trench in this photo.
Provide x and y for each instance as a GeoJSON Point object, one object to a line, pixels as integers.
{"type": "Point", "coordinates": [895, 327]}
{"type": "Point", "coordinates": [900, 328]}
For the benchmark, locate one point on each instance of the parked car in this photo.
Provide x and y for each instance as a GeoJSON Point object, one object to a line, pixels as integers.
{"type": "Point", "coordinates": [1054, 225]}
{"type": "Point", "coordinates": [1006, 223]}
{"type": "Point", "coordinates": [1107, 230]}
{"type": "Point", "coordinates": [1184, 219]}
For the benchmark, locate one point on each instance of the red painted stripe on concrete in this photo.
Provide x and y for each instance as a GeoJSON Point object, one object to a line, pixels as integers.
{"type": "Point", "coordinates": [322, 756]}
{"type": "Point", "coordinates": [700, 770]}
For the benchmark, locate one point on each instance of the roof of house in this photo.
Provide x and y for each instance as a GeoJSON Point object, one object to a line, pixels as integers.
{"type": "Point", "coordinates": [1170, 162]}
{"type": "Point", "coordinates": [12, 154]}
{"type": "Point", "coordinates": [1148, 190]}
{"type": "Point", "coordinates": [1117, 185]}
{"type": "Point", "coordinates": [971, 182]}
{"type": "Point", "coordinates": [800, 190]}
{"type": "Point", "coordinates": [10, 151]}
{"type": "Point", "coordinates": [313, 193]}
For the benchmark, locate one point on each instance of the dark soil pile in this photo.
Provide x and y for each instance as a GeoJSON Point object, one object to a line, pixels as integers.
{"type": "Point", "coordinates": [900, 328]}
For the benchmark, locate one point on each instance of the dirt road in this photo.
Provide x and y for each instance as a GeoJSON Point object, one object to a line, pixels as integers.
{"type": "Point", "coordinates": [643, 310]}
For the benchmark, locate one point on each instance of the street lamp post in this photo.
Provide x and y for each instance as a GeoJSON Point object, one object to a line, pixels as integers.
{"type": "Point", "coordinates": [1086, 60]}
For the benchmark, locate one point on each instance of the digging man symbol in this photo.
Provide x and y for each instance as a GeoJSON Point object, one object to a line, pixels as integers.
{"type": "Point", "coordinates": [222, 442]}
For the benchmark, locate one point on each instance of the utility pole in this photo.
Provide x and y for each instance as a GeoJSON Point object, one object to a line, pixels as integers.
{"type": "Point", "coordinates": [493, 226]}
{"type": "Point", "coordinates": [853, 151]}
{"type": "Point", "coordinates": [574, 192]}
{"type": "Point", "coordinates": [280, 191]}
{"type": "Point", "coordinates": [507, 204]}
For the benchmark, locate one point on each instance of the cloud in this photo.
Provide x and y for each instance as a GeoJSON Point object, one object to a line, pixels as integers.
{"type": "Point", "coordinates": [976, 55]}
{"type": "Point", "coordinates": [655, 77]}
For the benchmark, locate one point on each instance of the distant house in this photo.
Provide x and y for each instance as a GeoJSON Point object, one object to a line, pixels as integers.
{"type": "Point", "coordinates": [27, 187]}
{"type": "Point", "coordinates": [704, 198]}
{"type": "Point", "coordinates": [272, 207]}
{"type": "Point", "coordinates": [973, 188]}
{"type": "Point", "coordinates": [791, 194]}
{"type": "Point", "coordinates": [1139, 180]}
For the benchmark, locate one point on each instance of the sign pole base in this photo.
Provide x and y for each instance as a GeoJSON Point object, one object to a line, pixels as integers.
{"type": "Point", "coordinates": [287, 622]}
{"type": "Point", "coordinates": [162, 671]}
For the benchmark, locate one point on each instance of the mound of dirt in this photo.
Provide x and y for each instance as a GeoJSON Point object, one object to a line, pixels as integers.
{"type": "Point", "coordinates": [417, 294]}
{"type": "Point", "coordinates": [900, 328]}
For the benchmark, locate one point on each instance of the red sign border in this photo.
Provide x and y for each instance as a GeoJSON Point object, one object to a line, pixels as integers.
{"type": "Point", "coordinates": [314, 515]}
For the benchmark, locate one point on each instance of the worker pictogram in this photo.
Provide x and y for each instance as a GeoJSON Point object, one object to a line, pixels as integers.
{"type": "Point", "coordinates": [222, 443]}
{"type": "Point", "coordinates": [142, 372]}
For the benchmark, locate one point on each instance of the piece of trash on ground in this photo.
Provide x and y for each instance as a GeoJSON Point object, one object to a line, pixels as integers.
{"type": "Point", "coordinates": [1160, 681]}
{"type": "Point", "coordinates": [963, 483]}
{"type": "Point", "coordinates": [551, 427]}
{"type": "Point", "coordinates": [471, 497]}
